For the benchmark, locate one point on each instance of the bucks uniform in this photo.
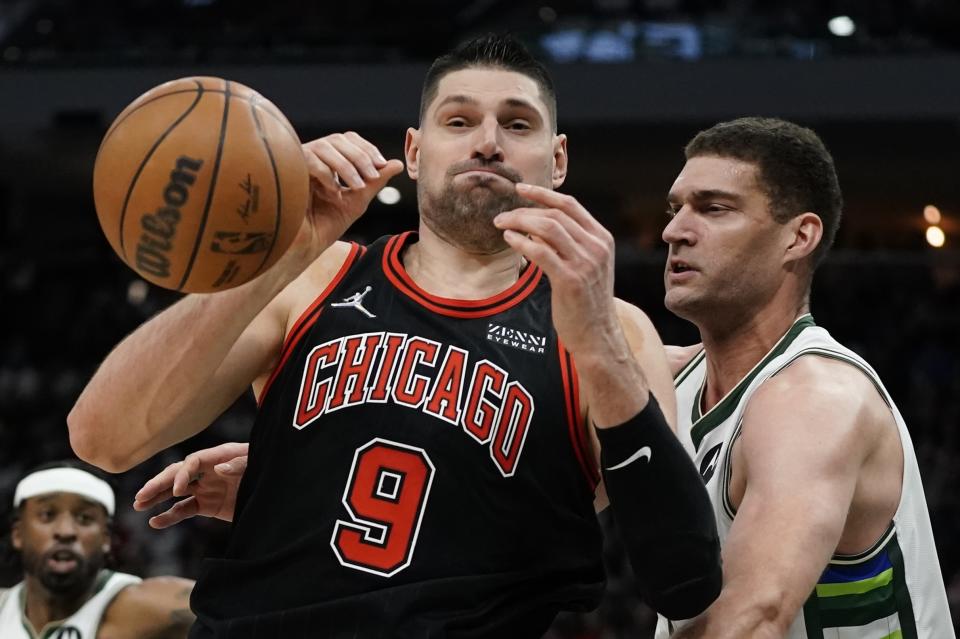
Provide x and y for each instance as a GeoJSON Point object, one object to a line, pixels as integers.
{"type": "Point", "coordinates": [82, 624]}
{"type": "Point", "coordinates": [892, 590]}
{"type": "Point", "coordinates": [417, 468]}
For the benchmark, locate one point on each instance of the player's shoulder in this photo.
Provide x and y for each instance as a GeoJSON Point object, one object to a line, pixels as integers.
{"type": "Point", "coordinates": [816, 390]}
{"type": "Point", "coordinates": [302, 291]}
{"type": "Point", "coordinates": [633, 319]}
{"type": "Point", "coordinates": [328, 264]}
{"type": "Point", "coordinates": [679, 356]}
{"type": "Point", "coordinates": [827, 380]}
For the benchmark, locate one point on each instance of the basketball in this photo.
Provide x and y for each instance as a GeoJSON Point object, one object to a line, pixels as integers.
{"type": "Point", "coordinates": [200, 184]}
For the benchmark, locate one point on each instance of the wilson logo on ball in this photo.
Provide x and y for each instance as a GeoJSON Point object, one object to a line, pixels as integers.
{"type": "Point", "coordinates": [160, 228]}
{"type": "Point", "coordinates": [200, 184]}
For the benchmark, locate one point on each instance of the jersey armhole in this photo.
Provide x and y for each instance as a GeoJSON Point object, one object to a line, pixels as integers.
{"type": "Point", "coordinates": [576, 425]}
{"type": "Point", "coordinates": [309, 317]}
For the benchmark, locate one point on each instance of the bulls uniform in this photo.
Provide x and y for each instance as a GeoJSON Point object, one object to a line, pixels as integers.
{"type": "Point", "coordinates": [418, 468]}
{"type": "Point", "coordinates": [83, 624]}
{"type": "Point", "coordinates": [892, 590]}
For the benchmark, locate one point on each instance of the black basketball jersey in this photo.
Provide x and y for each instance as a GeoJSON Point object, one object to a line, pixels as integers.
{"type": "Point", "coordinates": [418, 468]}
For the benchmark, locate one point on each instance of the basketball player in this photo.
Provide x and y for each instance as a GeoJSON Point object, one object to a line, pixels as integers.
{"type": "Point", "coordinates": [807, 460]}
{"type": "Point", "coordinates": [424, 398]}
{"type": "Point", "coordinates": [61, 529]}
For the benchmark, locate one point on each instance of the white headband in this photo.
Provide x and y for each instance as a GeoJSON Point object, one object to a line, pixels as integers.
{"type": "Point", "coordinates": [65, 480]}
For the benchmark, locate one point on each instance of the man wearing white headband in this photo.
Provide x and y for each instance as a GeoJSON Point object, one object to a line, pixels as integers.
{"type": "Point", "coordinates": [61, 529]}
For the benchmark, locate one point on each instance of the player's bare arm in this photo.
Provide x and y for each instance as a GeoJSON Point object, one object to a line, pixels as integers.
{"type": "Point", "coordinates": [647, 348]}
{"type": "Point", "coordinates": [645, 468]}
{"type": "Point", "coordinates": [816, 471]}
{"type": "Point", "coordinates": [175, 374]}
{"type": "Point", "coordinates": [157, 608]}
{"type": "Point", "coordinates": [576, 253]}
{"type": "Point", "coordinates": [680, 356]}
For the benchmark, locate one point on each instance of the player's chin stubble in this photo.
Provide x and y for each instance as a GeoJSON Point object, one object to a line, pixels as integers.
{"type": "Point", "coordinates": [73, 583]}
{"type": "Point", "coordinates": [464, 216]}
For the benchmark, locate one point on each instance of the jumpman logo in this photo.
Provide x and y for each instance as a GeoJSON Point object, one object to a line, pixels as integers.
{"type": "Point", "coordinates": [356, 301]}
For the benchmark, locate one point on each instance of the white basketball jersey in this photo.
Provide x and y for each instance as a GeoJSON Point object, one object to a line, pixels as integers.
{"type": "Point", "coordinates": [82, 624]}
{"type": "Point", "coordinates": [893, 590]}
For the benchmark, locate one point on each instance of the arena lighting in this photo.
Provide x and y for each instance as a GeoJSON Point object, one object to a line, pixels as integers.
{"type": "Point", "coordinates": [935, 236]}
{"type": "Point", "coordinates": [841, 26]}
{"type": "Point", "coordinates": [137, 292]}
{"type": "Point", "coordinates": [931, 214]}
{"type": "Point", "coordinates": [389, 195]}
{"type": "Point", "coordinates": [547, 14]}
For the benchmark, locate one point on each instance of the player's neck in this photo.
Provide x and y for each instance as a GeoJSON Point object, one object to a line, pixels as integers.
{"type": "Point", "coordinates": [444, 270]}
{"type": "Point", "coordinates": [734, 347]}
{"type": "Point", "coordinates": [43, 607]}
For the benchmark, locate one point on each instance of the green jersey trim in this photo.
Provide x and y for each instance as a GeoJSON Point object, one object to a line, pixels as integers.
{"type": "Point", "coordinates": [860, 602]}
{"type": "Point", "coordinates": [48, 631]}
{"type": "Point", "coordinates": [688, 368]}
{"type": "Point", "coordinates": [703, 424]}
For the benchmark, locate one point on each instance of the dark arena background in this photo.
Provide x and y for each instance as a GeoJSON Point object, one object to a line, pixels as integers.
{"type": "Point", "coordinates": [878, 79]}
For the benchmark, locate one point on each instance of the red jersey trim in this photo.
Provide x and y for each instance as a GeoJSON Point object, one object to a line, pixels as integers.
{"type": "Point", "coordinates": [310, 315]}
{"type": "Point", "coordinates": [577, 429]}
{"type": "Point", "coordinates": [468, 309]}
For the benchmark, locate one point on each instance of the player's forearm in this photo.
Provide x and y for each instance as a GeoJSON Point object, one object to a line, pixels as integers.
{"type": "Point", "coordinates": [614, 384]}
{"type": "Point", "coordinates": [754, 613]}
{"type": "Point", "coordinates": [154, 388]}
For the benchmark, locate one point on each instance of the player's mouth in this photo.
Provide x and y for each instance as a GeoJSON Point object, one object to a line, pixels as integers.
{"type": "Point", "coordinates": [484, 176]}
{"type": "Point", "coordinates": [63, 561]}
{"type": "Point", "coordinates": [477, 169]}
{"type": "Point", "coordinates": [679, 271]}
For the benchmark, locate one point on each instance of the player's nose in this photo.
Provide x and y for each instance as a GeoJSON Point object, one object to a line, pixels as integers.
{"type": "Point", "coordinates": [487, 143]}
{"type": "Point", "coordinates": [678, 230]}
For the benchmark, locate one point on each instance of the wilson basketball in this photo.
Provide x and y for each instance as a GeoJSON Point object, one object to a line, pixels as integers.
{"type": "Point", "coordinates": [200, 184]}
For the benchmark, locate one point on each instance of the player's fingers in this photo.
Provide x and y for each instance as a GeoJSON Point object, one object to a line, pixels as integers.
{"type": "Point", "coordinates": [320, 172]}
{"type": "Point", "coordinates": [181, 510]}
{"type": "Point", "coordinates": [357, 156]}
{"type": "Point", "coordinates": [389, 171]}
{"type": "Point", "coordinates": [145, 503]}
{"type": "Point", "coordinates": [321, 176]}
{"type": "Point", "coordinates": [566, 203]}
{"type": "Point", "coordinates": [340, 164]}
{"type": "Point", "coordinates": [159, 483]}
{"type": "Point", "coordinates": [537, 252]}
{"type": "Point", "coordinates": [189, 472]}
{"type": "Point", "coordinates": [370, 149]}
{"type": "Point", "coordinates": [229, 450]}
{"type": "Point", "coordinates": [550, 226]}
{"type": "Point", "coordinates": [234, 467]}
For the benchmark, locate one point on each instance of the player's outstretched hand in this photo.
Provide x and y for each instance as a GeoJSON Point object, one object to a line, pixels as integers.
{"type": "Point", "coordinates": [576, 252]}
{"type": "Point", "coordinates": [346, 172]}
{"type": "Point", "coordinates": [208, 479]}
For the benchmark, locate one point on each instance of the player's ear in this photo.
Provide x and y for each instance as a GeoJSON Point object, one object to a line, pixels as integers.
{"type": "Point", "coordinates": [411, 152]}
{"type": "Point", "coordinates": [108, 532]}
{"type": "Point", "coordinates": [560, 160]}
{"type": "Point", "coordinates": [802, 236]}
{"type": "Point", "coordinates": [16, 537]}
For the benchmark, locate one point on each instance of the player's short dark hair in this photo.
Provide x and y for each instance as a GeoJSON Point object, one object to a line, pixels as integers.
{"type": "Point", "coordinates": [498, 51]}
{"type": "Point", "coordinates": [796, 169]}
